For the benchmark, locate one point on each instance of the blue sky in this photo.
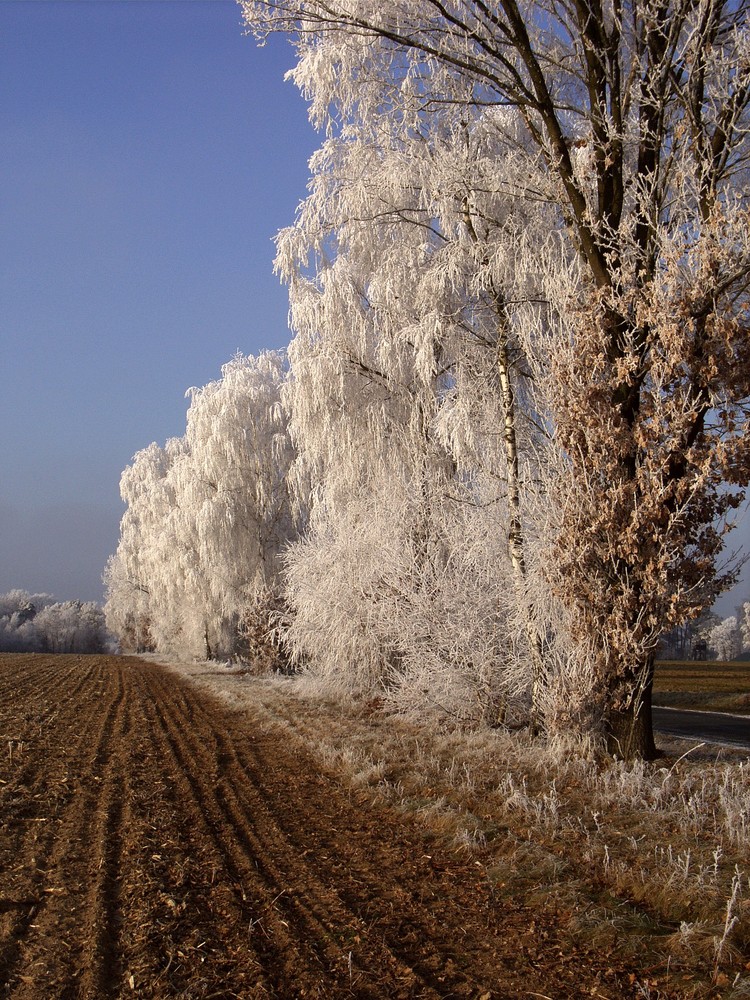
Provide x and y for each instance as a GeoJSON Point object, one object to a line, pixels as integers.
{"type": "Point", "coordinates": [149, 151]}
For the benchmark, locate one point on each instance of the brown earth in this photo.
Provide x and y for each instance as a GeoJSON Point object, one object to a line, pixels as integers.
{"type": "Point", "coordinates": [154, 844]}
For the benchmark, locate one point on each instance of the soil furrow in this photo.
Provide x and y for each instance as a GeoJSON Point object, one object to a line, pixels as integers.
{"type": "Point", "coordinates": [101, 963]}
{"type": "Point", "coordinates": [15, 684]}
{"type": "Point", "coordinates": [318, 915]}
{"type": "Point", "coordinates": [323, 911]}
{"type": "Point", "coordinates": [57, 863]}
{"type": "Point", "coordinates": [156, 846]}
{"type": "Point", "coordinates": [201, 927]}
{"type": "Point", "coordinates": [66, 676]}
{"type": "Point", "coordinates": [343, 871]}
{"type": "Point", "coordinates": [253, 894]}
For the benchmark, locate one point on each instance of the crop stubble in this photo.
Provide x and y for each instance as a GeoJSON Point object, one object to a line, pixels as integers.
{"type": "Point", "coordinates": [154, 844]}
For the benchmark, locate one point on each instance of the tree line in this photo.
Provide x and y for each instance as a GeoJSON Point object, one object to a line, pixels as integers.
{"type": "Point", "coordinates": [37, 623]}
{"type": "Point", "coordinates": [502, 454]}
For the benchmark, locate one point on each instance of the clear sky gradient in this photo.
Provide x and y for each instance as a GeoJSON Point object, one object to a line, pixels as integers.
{"type": "Point", "coordinates": [149, 151]}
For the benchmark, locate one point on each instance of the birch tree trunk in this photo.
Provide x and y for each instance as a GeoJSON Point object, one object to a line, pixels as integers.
{"type": "Point", "coordinates": [516, 538]}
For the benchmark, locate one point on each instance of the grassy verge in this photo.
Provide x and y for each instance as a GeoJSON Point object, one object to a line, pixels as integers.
{"type": "Point", "coordinates": [648, 862]}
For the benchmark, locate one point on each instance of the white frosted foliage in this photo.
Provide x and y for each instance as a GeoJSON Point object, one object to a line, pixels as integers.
{"type": "Point", "coordinates": [525, 260]}
{"type": "Point", "coordinates": [207, 516]}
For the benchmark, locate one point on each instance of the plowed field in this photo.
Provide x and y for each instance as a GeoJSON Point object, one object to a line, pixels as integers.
{"type": "Point", "coordinates": [153, 844]}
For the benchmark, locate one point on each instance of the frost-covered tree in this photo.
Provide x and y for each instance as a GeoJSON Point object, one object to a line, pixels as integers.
{"type": "Point", "coordinates": [638, 116]}
{"type": "Point", "coordinates": [197, 568]}
{"type": "Point", "coordinates": [136, 606]}
{"type": "Point", "coordinates": [18, 608]}
{"type": "Point", "coordinates": [408, 366]}
{"type": "Point", "coordinates": [743, 613]}
{"type": "Point", "coordinates": [234, 499]}
{"type": "Point", "coordinates": [725, 639]}
{"type": "Point", "coordinates": [380, 609]}
{"type": "Point", "coordinates": [72, 627]}
{"type": "Point", "coordinates": [19, 605]}
{"type": "Point", "coordinates": [127, 606]}
{"type": "Point", "coordinates": [36, 623]}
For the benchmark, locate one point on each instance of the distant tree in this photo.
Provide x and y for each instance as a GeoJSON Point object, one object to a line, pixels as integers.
{"type": "Point", "coordinates": [72, 627]}
{"type": "Point", "coordinates": [725, 639]}
{"type": "Point", "coordinates": [743, 613]}
{"type": "Point", "coordinates": [681, 641]}
{"type": "Point", "coordinates": [22, 603]}
{"type": "Point", "coordinates": [37, 623]}
{"type": "Point", "coordinates": [137, 604]}
{"type": "Point", "coordinates": [637, 116]}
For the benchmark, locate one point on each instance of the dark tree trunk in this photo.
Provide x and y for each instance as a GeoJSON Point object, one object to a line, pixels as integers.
{"type": "Point", "coordinates": [630, 733]}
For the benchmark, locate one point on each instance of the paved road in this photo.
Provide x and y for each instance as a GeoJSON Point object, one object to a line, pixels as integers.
{"type": "Point", "coordinates": [713, 727]}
